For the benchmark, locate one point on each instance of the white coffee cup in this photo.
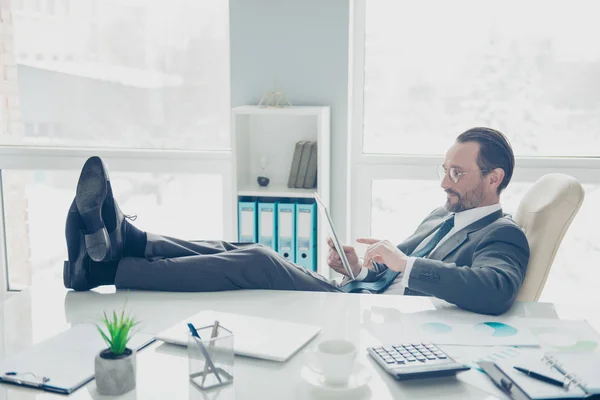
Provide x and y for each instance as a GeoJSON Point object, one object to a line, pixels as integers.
{"type": "Point", "coordinates": [336, 358]}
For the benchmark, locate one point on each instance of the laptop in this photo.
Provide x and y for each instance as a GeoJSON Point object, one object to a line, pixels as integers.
{"type": "Point", "coordinates": [334, 237]}
{"type": "Point", "coordinates": [256, 337]}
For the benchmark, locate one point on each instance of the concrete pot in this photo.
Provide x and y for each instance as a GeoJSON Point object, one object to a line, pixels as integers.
{"type": "Point", "coordinates": [115, 375]}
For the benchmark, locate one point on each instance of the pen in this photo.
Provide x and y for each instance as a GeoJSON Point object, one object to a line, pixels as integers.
{"type": "Point", "coordinates": [213, 334]}
{"type": "Point", "coordinates": [203, 349]}
{"type": "Point", "coordinates": [541, 377]}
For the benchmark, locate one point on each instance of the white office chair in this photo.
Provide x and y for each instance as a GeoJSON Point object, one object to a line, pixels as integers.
{"type": "Point", "coordinates": [545, 213]}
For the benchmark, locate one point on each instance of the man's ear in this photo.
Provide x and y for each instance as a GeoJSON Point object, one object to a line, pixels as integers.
{"type": "Point", "coordinates": [495, 177]}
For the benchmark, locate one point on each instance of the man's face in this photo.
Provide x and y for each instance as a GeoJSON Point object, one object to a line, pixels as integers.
{"type": "Point", "coordinates": [470, 190]}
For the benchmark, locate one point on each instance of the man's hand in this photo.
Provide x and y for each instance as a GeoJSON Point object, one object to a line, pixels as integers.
{"type": "Point", "coordinates": [382, 251]}
{"type": "Point", "coordinates": [335, 262]}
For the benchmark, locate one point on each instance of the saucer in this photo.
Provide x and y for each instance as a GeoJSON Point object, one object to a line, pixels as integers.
{"type": "Point", "coordinates": [359, 377]}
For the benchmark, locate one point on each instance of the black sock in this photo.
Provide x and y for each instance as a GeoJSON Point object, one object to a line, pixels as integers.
{"type": "Point", "coordinates": [103, 273]}
{"type": "Point", "coordinates": [135, 241]}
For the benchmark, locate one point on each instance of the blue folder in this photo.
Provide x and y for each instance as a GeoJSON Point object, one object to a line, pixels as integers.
{"type": "Point", "coordinates": [267, 224]}
{"type": "Point", "coordinates": [286, 230]}
{"type": "Point", "coordinates": [306, 235]}
{"type": "Point", "coordinates": [247, 230]}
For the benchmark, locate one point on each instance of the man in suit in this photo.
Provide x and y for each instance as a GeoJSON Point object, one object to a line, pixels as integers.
{"type": "Point", "coordinates": [467, 252]}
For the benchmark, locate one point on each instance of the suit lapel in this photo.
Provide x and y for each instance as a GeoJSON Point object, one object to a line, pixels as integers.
{"type": "Point", "coordinates": [424, 231]}
{"type": "Point", "coordinates": [459, 237]}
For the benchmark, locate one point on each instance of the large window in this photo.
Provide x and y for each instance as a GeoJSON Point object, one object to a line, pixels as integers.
{"type": "Point", "coordinates": [168, 204]}
{"type": "Point", "coordinates": [145, 84]}
{"type": "Point", "coordinates": [423, 72]}
{"type": "Point", "coordinates": [121, 73]}
{"type": "Point", "coordinates": [528, 68]}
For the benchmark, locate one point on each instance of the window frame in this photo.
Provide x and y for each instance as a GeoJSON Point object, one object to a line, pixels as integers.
{"type": "Point", "coordinates": [122, 160]}
{"type": "Point", "coordinates": [364, 168]}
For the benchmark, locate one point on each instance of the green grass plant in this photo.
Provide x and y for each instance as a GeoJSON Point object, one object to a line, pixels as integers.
{"type": "Point", "coordinates": [118, 331]}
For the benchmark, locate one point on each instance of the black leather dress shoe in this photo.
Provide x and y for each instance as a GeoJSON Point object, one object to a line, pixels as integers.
{"type": "Point", "coordinates": [92, 189]}
{"type": "Point", "coordinates": [104, 222]}
{"type": "Point", "coordinates": [76, 271]}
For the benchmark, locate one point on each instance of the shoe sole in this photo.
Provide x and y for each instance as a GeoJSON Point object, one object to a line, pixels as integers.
{"type": "Point", "coordinates": [67, 275]}
{"type": "Point", "coordinates": [91, 193]}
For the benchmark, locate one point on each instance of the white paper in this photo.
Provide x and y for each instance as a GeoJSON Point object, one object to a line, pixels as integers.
{"type": "Point", "coordinates": [563, 335]}
{"type": "Point", "coordinates": [470, 355]}
{"type": "Point", "coordinates": [475, 330]}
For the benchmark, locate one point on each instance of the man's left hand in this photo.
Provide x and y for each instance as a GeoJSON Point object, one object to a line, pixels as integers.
{"type": "Point", "coordinates": [383, 251]}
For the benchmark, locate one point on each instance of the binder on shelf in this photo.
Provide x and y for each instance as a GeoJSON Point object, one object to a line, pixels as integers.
{"type": "Point", "coordinates": [306, 235]}
{"type": "Point", "coordinates": [310, 181]}
{"type": "Point", "coordinates": [295, 164]}
{"type": "Point", "coordinates": [286, 230]}
{"type": "Point", "coordinates": [267, 224]}
{"type": "Point", "coordinates": [247, 230]}
{"type": "Point", "coordinates": [303, 166]}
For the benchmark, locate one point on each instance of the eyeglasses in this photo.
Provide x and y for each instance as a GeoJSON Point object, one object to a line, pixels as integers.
{"type": "Point", "coordinates": [453, 173]}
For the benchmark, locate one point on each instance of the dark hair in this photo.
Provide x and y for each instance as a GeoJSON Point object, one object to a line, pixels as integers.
{"type": "Point", "coordinates": [495, 151]}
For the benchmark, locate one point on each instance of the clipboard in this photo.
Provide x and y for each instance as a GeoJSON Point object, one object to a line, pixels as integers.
{"type": "Point", "coordinates": [74, 349]}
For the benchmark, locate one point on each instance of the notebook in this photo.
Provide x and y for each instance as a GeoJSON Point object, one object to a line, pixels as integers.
{"type": "Point", "coordinates": [65, 360]}
{"type": "Point", "coordinates": [264, 338]}
{"type": "Point", "coordinates": [580, 372]}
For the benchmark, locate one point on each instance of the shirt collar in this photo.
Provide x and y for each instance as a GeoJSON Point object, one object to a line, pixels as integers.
{"type": "Point", "coordinates": [467, 217]}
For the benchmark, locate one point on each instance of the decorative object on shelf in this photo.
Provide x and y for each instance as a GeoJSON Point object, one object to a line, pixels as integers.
{"type": "Point", "coordinates": [262, 180]}
{"type": "Point", "coordinates": [274, 100]}
{"type": "Point", "coordinates": [115, 367]}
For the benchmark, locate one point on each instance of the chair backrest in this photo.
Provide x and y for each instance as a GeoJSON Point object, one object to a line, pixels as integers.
{"type": "Point", "coordinates": [544, 214]}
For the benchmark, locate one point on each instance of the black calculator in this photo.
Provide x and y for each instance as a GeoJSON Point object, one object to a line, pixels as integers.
{"type": "Point", "coordinates": [420, 360]}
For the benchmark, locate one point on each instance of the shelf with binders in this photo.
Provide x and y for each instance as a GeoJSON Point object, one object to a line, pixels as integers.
{"type": "Point", "coordinates": [264, 142]}
{"type": "Point", "coordinates": [287, 225]}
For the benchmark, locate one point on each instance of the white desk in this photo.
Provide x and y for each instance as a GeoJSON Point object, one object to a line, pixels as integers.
{"type": "Point", "coordinates": [39, 313]}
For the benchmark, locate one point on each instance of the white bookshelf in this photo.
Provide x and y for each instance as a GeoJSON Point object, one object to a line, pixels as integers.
{"type": "Point", "coordinates": [273, 133]}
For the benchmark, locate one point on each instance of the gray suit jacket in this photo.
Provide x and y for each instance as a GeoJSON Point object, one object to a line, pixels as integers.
{"type": "Point", "coordinates": [480, 268]}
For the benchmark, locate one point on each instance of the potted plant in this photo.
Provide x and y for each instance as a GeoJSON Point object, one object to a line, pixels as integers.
{"type": "Point", "coordinates": [115, 366]}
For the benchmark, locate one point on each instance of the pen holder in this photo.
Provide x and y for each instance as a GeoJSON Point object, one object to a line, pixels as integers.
{"type": "Point", "coordinates": [211, 358]}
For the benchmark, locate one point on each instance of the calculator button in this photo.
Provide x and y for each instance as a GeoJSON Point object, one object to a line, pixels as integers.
{"type": "Point", "coordinates": [430, 357]}
{"type": "Point", "coordinates": [410, 359]}
{"type": "Point", "coordinates": [388, 348]}
{"type": "Point", "coordinates": [441, 356]}
{"type": "Point", "coordinates": [421, 358]}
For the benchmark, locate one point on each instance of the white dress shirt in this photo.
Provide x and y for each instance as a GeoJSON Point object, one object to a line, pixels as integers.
{"type": "Point", "coordinates": [461, 220]}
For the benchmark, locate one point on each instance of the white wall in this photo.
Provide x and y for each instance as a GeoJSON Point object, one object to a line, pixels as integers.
{"type": "Point", "coordinates": [300, 47]}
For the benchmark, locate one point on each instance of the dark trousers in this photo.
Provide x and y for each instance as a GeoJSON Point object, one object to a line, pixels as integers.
{"type": "Point", "coordinates": [208, 266]}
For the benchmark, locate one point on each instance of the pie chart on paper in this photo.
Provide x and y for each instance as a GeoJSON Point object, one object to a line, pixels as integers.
{"type": "Point", "coordinates": [436, 328]}
{"type": "Point", "coordinates": [495, 329]}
